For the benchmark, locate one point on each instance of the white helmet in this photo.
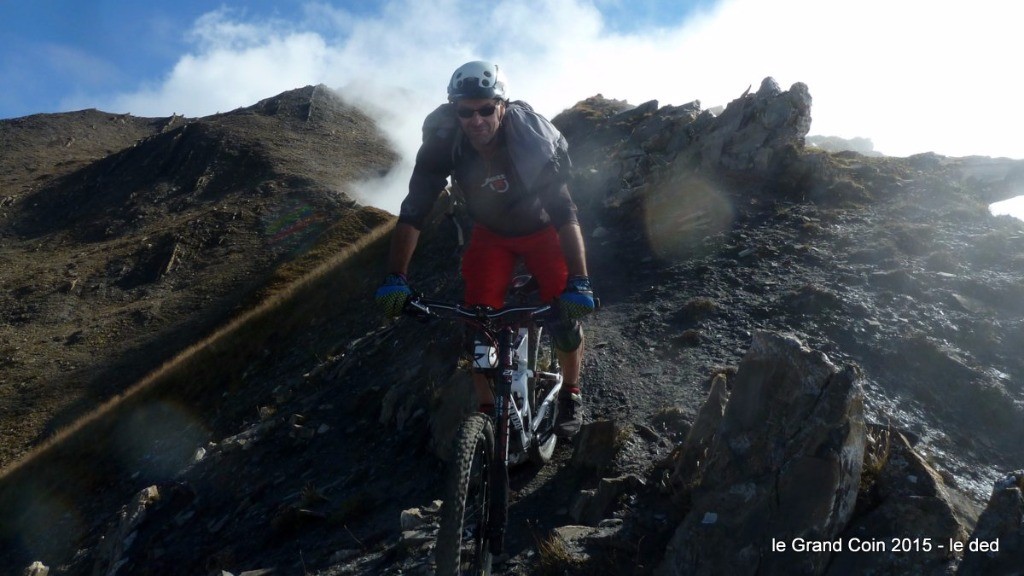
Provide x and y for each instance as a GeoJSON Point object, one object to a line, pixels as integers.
{"type": "Point", "coordinates": [477, 79]}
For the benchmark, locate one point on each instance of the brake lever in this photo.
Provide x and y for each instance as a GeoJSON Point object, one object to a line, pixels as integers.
{"type": "Point", "coordinates": [416, 310]}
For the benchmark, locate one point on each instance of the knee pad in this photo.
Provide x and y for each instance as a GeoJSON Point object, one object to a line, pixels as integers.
{"type": "Point", "coordinates": [567, 335]}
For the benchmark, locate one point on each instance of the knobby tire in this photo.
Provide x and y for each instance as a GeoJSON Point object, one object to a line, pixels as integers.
{"type": "Point", "coordinates": [462, 545]}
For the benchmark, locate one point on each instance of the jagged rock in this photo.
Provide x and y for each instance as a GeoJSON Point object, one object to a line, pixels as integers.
{"type": "Point", "coordinates": [996, 547]}
{"type": "Point", "coordinates": [910, 527]}
{"type": "Point", "coordinates": [634, 114]}
{"type": "Point", "coordinates": [577, 545]}
{"type": "Point", "coordinates": [419, 527]}
{"type": "Point", "coordinates": [693, 452]}
{"type": "Point", "coordinates": [598, 443]}
{"type": "Point", "coordinates": [757, 135]}
{"type": "Point", "coordinates": [753, 130]}
{"type": "Point", "coordinates": [587, 125]}
{"type": "Point", "coordinates": [247, 438]}
{"type": "Point", "coordinates": [414, 518]}
{"type": "Point", "coordinates": [37, 568]}
{"type": "Point", "coordinates": [593, 506]}
{"type": "Point", "coordinates": [665, 131]}
{"type": "Point", "coordinates": [121, 536]}
{"type": "Point", "coordinates": [785, 463]}
{"type": "Point", "coordinates": [413, 539]}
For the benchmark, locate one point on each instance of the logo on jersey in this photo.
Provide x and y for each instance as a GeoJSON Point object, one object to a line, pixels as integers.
{"type": "Point", "coordinates": [497, 183]}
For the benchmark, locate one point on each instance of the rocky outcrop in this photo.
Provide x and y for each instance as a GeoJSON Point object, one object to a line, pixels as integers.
{"type": "Point", "coordinates": [996, 546]}
{"type": "Point", "coordinates": [121, 536]}
{"type": "Point", "coordinates": [909, 520]}
{"type": "Point", "coordinates": [754, 131]}
{"type": "Point", "coordinates": [751, 133]}
{"type": "Point", "coordinates": [781, 476]}
{"type": "Point", "coordinates": [783, 465]}
{"type": "Point", "coordinates": [757, 134]}
{"type": "Point", "coordinates": [692, 454]}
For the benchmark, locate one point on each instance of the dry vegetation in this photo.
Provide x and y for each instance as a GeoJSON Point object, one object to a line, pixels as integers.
{"type": "Point", "coordinates": [135, 238]}
{"type": "Point", "coordinates": [158, 259]}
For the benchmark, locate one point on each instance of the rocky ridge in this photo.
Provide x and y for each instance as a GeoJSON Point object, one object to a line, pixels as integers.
{"type": "Point", "coordinates": [125, 239]}
{"type": "Point", "coordinates": [850, 322]}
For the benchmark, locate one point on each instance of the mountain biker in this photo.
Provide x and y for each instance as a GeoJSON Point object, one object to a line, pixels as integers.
{"type": "Point", "coordinates": [512, 166]}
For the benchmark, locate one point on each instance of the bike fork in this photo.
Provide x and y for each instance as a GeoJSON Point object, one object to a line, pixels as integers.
{"type": "Point", "coordinates": [499, 471]}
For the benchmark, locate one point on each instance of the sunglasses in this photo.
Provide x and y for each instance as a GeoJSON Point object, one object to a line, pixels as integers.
{"type": "Point", "coordinates": [483, 111]}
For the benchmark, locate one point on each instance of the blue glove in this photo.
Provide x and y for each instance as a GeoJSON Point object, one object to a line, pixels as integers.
{"type": "Point", "coordinates": [577, 300]}
{"type": "Point", "coordinates": [393, 294]}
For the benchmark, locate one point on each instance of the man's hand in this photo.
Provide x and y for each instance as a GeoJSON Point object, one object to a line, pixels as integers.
{"type": "Point", "coordinates": [392, 295]}
{"type": "Point", "coordinates": [578, 298]}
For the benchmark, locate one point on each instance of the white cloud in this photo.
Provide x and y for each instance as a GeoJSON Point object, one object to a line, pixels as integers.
{"type": "Point", "coordinates": [911, 75]}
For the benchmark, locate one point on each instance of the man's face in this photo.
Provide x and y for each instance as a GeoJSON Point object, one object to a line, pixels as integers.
{"type": "Point", "coordinates": [480, 119]}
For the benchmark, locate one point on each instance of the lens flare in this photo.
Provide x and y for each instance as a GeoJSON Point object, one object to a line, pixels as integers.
{"type": "Point", "coordinates": [45, 525]}
{"type": "Point", "coordinates": [295, 226]}
{"type": "Point", "coordinates": [158, 440]}
{"type": "Point", "coordinates": [681, 214]}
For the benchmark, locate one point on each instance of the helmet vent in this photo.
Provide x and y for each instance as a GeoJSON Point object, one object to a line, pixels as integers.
{"type": "Point", "coordinates": [477, 79]}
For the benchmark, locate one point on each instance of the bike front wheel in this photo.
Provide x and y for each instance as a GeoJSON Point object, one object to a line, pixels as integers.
{"type": "Point", "coordinates": [462, 540]}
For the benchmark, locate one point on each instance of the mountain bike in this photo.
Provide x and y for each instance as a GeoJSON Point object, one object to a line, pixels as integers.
{"type": "Point", "coordinates": [507, 350]}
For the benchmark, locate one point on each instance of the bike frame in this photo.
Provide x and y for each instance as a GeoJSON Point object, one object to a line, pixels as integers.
{"type": "Point", "coordinates": [508, 329]}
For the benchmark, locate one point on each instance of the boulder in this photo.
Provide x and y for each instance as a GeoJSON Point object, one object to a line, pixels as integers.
{"type": "Point", "coordinates": [996, 547]}
{"type": "Point", "coordinates": [592, 506]}
{"type": "Point", "coordinates": [912, 520]}
{"type": "Point", "coordinates": [570, 549]}
{"type": "Point", "coordinates": [784, 466]}
{"type": "Point", "coordinates": [598, 443]}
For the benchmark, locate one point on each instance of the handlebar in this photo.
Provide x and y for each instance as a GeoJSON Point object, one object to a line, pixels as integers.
{"type": "Point", "coordinates": [425, 308]}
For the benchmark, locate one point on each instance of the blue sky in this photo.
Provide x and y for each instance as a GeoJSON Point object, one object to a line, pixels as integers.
{"type": "Point", "coordinates": [912, 75]}
{"type": "Point", "coordinates": [59, 54]}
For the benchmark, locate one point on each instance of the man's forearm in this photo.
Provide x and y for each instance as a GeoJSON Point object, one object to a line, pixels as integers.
{"type": "Point", "coordinates": [571, 238]}
{"type": "Point", "coordinates": [403, 244]}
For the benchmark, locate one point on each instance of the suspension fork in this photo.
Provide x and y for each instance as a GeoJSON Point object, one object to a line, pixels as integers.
{"type": "Point", "coordinates": [499, 471]}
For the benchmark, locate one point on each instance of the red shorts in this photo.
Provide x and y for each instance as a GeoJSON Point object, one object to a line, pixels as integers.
{"type": "Point", "coordinates": [490, 260]}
